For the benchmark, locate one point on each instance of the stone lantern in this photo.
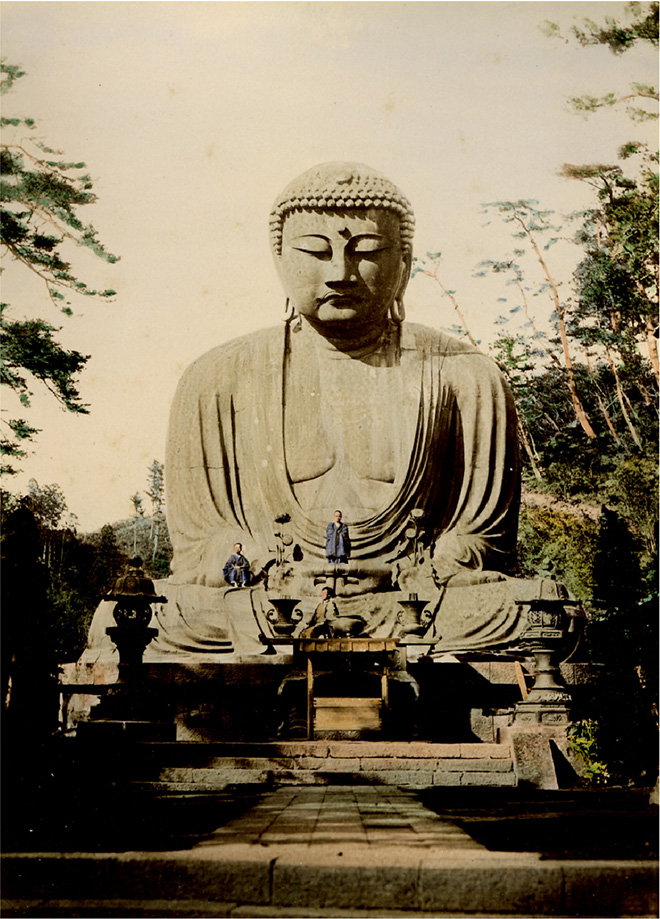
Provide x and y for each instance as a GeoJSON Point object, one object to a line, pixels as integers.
{"type": "Point", "coordinates": [133, 594]}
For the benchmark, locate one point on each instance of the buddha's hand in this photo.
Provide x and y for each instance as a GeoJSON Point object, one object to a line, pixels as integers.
{"type": "Point", "coordinates": [444, 570]}
{"type": "Point", "coordinates": [454, 575]}
{"type": "Point", "coordinates": [452, 555]}
{"type": "Point", "coordinates": [356, 577]}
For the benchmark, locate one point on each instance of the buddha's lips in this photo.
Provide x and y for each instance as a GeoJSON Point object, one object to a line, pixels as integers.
{"type": "Point", "coordinates": [340, 300]}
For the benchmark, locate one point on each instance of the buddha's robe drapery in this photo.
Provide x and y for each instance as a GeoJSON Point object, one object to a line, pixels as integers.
{"type": "Point", "coordinates": [226, 464]}
{"type": "Point", "coordinates": [228, 477]}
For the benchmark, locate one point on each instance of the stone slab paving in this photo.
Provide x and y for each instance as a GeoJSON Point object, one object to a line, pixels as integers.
{"type": "Point", "coordinates": [335, 815]}
{"type": "Point", "coordinates": [208, 909]}
{"type": "Point", "coordinates": [328, 851]}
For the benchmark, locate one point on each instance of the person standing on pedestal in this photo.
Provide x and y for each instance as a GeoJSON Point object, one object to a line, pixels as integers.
{"type": "Point", "coordinates": [337, 541]}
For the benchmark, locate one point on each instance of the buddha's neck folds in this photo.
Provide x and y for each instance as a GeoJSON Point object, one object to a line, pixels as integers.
{"type": "Point", "coordinates": [356, 341]}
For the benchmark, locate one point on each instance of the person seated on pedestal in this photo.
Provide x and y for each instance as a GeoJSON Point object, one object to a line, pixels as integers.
{"type": "Point", "coordinates": [329, 622]}
{"type": "Point", "coordinates": [324, 612]}
{"type": "Point", "coordinates": [237, 568]}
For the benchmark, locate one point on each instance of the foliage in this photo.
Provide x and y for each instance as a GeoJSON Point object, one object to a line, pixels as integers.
{"type": "Point", "coordinates": [557, 545]}
{"type": "Point", "coordinates": [156, 552]}
{"type": "Point", "coordinates": [156, 490]}
{"type": "Point", "coordinates": [53, 578]}
{"type": "Point", "coordinates": [80, 576]}
{"type": "Point", "coordinates": [583, 743]}
{"type": "Point", "coordinates": [73, 572]}
{"type": "Point", "coordinates": [640, 24]}
{"type": "Point", "coordinates": [135, 537]}
{"type": "Point", "coordinates": [40, 198]}
{"type": "Point", "coordinates": [631, 489]}
{"type": "Point", "coordinates": [623, 641]}
{"type": "Point", "coordinates": [616, 312]}
{"type": "Point", "coordinates": [528, 224]}
{"type": "Point", "coordinates": [47, 503]}
{"type": "Point", "coordinates": [615, 731]}
{"type": "Point", "coordinates": [581, 356]}
{"type": "Point", "coordinates": [28, 663]}
{"type": "Point", "coordinates": [618, 36]}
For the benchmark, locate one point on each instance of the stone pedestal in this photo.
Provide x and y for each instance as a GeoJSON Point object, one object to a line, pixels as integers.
{"type": "Point", "coordinates": [548, 701]}
{"type": "Point", "coordinates": [131, 641]}
{"type": "Point", "coordinates": [131, 710]}
{"type": "Point", "coordinates": [540, 756]}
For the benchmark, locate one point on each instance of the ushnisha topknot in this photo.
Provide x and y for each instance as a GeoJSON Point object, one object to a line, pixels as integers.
{"type": "Point", "coordinates": [332, 186]}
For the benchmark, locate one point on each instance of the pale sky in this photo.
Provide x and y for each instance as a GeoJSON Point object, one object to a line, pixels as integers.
{"type": "Point", "coordinates": [192, 117]}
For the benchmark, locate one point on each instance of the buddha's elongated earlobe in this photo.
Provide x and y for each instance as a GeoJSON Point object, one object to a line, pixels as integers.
{"type": "Point", "coordinates": [291, 318]}
{"type": "Point", "coordinates": [398, 310]}
{"type": "Point", "coordinates": [289, 311]}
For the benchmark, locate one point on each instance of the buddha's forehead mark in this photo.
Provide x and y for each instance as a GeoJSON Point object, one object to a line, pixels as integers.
{"type": "Point", "coordinates": [345, 233]}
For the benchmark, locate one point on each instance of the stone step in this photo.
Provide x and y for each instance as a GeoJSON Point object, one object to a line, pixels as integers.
{"type": "Point", "coordinates": [205, 781]}
{"type": "Point", "coordinates": [169, 768]}
{"type": "Point", "coordinates": [189, 752]}
{"type": "Point", "coordinates": [189, 768]}
{"type": "Point", "coordinates": [249, 880]}
{"type": "Point", "coordinates": [311, 764]}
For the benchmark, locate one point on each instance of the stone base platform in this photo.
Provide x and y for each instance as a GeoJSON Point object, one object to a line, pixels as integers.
{"type": "Point", "coordinates": [193, 768]}
{"type": "Point", "coordinates": [459, 701]}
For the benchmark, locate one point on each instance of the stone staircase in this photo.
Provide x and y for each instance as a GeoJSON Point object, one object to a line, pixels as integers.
{"type": "Point", "coordinates": [184, 768]}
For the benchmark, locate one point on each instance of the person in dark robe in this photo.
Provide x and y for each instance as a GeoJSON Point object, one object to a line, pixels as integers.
{"type": "Point", "coordinates": [337, 541]}
{"type": "Point", "coordinates": [237, 568]}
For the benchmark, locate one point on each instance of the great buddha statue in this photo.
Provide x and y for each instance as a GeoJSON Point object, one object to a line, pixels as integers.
{"type": "Point", "coordinates": [344, 405]}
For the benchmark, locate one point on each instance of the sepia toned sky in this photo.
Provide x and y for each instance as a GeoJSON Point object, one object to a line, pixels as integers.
{"type": "Point", "coordinates": [191, 118]}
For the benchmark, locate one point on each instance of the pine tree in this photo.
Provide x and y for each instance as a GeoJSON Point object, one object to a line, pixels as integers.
{"type": "Point", "coordinates": [40, 197]}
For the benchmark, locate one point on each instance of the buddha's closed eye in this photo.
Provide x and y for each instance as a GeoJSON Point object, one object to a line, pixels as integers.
{"type": "Point", "coordinates": [321, 246]}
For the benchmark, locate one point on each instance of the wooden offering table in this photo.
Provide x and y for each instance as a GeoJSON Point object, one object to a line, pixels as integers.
{"type": "Point", "coordinates": [346, 713]}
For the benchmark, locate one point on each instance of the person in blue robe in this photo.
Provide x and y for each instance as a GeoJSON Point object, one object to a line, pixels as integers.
{"type": "Point", "coordinates": [237, 568]}
{"type": "Point", "coordinates": [337, 541]}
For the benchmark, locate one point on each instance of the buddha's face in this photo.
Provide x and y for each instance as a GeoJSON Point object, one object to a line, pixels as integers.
{"type": "Point", "coordinates": [343, 267]}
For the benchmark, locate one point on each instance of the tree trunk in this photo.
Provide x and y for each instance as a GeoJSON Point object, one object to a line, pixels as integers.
{"type": "Point", "coordinates": [652, 344]}
{"type": "Point", "coordinates": [153, 554]}
{"type": "Point", "coordinates": [457, 308]}
{"type": "Point", "coordinates": [528, 448]}
{"type": "Point", "coordinates": [553, 357]}
{"type": "Point", "coordinates": [620, 396]}
{"type": "Point", "coordinates": [580, 413]}
{"type": "Point", "coordinates": [603, 407]}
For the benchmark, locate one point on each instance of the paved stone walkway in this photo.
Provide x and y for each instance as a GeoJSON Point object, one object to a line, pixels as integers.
{"type": "Point", "coordinates": [373, 816]}
{"type": "Point", "coordinates": [343, 851]}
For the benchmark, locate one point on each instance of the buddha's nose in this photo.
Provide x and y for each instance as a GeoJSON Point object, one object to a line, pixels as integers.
{"type": "Point", "coordinates": [341, 268]}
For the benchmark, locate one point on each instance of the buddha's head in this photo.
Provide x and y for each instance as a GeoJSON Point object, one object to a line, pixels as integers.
{"type": "Point", "coordinates": [342, 239]}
